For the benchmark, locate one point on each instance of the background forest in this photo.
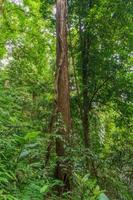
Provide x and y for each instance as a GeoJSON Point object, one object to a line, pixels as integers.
{"type": "Point", "coordinates": [98, 158]}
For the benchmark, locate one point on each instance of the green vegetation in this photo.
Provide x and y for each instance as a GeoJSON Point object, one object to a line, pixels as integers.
{"type": "Point", "coordinates": [51, 148]}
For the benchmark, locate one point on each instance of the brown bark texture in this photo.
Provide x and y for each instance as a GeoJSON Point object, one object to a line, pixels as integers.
{"type": "Point", "coordinates": [62, 171]}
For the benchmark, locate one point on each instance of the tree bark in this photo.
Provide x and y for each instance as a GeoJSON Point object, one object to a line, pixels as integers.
{"type": "Point", "coordinates": [84, 48]}
{"type": "Point", "coordinates": [85, 44]}
{"type": "Point", "coordinates": [1, 6]}
{"type": "Point", "coordinates": [62, 171]}
{"type": "Point", "coordinates": [85, 77]}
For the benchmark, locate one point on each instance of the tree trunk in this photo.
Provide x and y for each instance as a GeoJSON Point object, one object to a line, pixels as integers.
{"type": "Point", "coordinates": [62, 171]}
{"type": "Point", "coordinates": [1, 6]}
{"type": "Point", "coordinates": [85, 77]}
{"type": "Point", "coordinates": [84, 48]}
{"type": "Point", "coordinates": [85, 44]}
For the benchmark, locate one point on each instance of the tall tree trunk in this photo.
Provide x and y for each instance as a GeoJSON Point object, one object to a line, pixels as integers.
{"type": "Point", "coordinates": [85, 77]}
{"type": "Point", "coordinates": [84, 48]}
{"type": "Point", "coordinates": [85, 44]}
{"type": "Point", "coordinates": [63, 104]}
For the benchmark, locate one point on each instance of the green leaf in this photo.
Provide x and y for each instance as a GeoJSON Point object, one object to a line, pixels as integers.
{"type": "Point", "coordinates": [24, 154]}
{"type": "Point", "coordinates": [31, 136]}
{"type": "Point", "coordinates": [44, 189]}
{"type": "Point", "coordinates": [85, 178]}
{"type": "Point", "coordinates": [3, 180]}
{"type": "Point", "coordinates": [103, 196]}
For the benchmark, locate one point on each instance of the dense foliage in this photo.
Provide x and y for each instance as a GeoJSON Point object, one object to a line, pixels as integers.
{"type": "Point", "coordinates": [101, 87]}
